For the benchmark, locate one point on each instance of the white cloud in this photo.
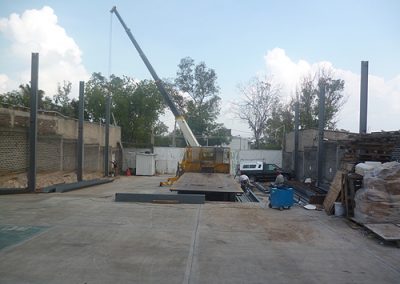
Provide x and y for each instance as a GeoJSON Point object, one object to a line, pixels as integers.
{"type": "Point", "coordinates": [4, 81]}
{"type": "Point", "coordinates": [59, 56]}
{"type": "Point", "coordinates": [383, 96]}
{"type": "Point", "coordinates": [383, 102]}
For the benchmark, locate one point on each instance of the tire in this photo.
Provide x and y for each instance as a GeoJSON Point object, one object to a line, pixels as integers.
{"type": "Point", "coordinates": [281, 208]}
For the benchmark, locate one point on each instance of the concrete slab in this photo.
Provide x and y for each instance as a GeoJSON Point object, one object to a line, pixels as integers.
{"type": "Point", "coordinates": [92, 239]}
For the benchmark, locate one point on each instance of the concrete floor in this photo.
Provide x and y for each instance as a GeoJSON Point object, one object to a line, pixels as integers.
{"type": "Point", "coordinates": [85, 237]}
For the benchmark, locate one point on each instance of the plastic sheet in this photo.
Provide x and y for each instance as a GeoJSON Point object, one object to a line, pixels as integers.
{"type": "Point", "coordinates": [379, 199]}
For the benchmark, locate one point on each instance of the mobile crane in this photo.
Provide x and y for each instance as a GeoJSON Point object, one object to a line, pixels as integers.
{"type": "Point", "coordinates": [197, 158]}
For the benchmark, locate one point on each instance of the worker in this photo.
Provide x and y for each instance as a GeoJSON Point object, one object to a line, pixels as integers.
{"type": "Point", "coordinates": [280, 180]}
{"type": "Point", "coordinates": [114, 169]}
{"type": "Point", "coordinates": [244, 182]}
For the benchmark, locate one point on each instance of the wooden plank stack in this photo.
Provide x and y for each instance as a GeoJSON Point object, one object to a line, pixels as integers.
{"type": "Point", "coordinates": [333, 193]}
{"type": "Point", "coordinates": [376, 146]}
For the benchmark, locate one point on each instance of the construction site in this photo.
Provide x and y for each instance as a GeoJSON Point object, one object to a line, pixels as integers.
{"type": "Point", "coordinates": [79, 206]}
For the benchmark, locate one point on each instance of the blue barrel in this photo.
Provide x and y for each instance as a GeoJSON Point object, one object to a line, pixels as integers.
{"type": "Point", "coordinates": [281, 197]}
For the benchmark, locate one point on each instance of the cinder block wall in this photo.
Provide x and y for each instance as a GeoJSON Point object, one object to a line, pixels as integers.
{"type": "Point", "coordinates": [49, 153]}
{"type": "Point", "coordinates": [13, 151]}
{"type": "Point", "coordinates": [69, 154]}
{"type": "Point", "coordinates": [56, 145]}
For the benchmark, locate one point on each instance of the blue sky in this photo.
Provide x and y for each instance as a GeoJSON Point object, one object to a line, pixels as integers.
{"type": "Point", "coordinates": [233, 37]}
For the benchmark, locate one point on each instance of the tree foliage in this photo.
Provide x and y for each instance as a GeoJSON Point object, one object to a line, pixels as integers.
{"type": "Point", "coordinates": [136, 106]}
{"type": "Point", "coordinates": [21, 97]}
{"type": "Point", "coordinates": [280, 122]}
{"type": "Point", "coordinates": [310, 88]}
{"type": "Point", "coordinates": [261, 98]}
{"type": "Point", "coordinates": [60, 103]}
{"type": "Point", "coordinates": [202, 106]}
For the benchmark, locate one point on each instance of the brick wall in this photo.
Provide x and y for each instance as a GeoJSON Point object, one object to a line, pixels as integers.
{"type": "Point", "coordinates": [69, 154]}
{"type": "Point", "coordinates": [13, 151]}
{"type": "Point", "coordinates": [56, 144]}
{"type": "Point", "coordinates": [91, 158]}
{"type": "Point", "coordinates": [49, 154]}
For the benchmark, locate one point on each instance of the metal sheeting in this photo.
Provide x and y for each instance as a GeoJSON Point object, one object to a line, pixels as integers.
{"type": "Point", "coordinates": [249, 196]}
{"type": "Point", "coordinates": [167, 159]}
{"type": "Point", "coordinates": [206, 182]}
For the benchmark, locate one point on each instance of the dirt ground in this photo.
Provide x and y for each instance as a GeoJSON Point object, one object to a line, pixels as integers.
{"type": "Point", "coordinates": [44, 179]}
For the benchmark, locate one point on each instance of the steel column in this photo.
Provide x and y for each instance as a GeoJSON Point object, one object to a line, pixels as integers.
{"type": "Point", "coordinates": [296, 137]}
{"type": "Point", "coordinates": [80, 131]}
{"type": "Point", "coordinates": [107, 136]}
{"type": "Point", "coordinates": [364, 97]}
{"type": "Point", "coordinates": [33, 122]}
{"type": "Point", "coordinates": [160, 198]}
{"type": "Point", "coordinates": [321, 125]}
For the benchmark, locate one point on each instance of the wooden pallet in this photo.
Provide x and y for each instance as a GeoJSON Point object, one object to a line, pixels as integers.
{"type": "Point", "coordinates": [388, 232]}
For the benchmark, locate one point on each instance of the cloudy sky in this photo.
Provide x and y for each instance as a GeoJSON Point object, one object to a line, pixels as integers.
{"type": "Point", "coordinates": [239, 39]}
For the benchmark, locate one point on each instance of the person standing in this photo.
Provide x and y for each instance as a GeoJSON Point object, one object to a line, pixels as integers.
{"type": "Point", "coordinates": [244, 182]}
{"type": "Point", "coordinates": [280, 180]}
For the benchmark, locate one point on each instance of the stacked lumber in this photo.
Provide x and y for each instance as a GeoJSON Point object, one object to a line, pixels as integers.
{"type": "Point", "coordinates": [376, 146]}
{"type": "Point", "coordinates": [379, 199]}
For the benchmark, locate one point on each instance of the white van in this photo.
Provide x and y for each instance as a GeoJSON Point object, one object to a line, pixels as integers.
{"type": "Point", "coordinates": [251, 165]}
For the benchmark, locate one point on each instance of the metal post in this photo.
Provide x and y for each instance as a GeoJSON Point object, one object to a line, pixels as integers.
{"type": "Point", "coordinates": [33, 122]}
{"type": "Point", "coordinates": [321, 125]}
{"type": "Point", "coordinates": [174, 136]}
{"type": "Point", "coordinates": [107, 138]}
{"type": "Point", "coordinates": [296, 137]}
{"type": "Point", "coordinates": [80, 131]}
{"type": "Point", "coordinates": [364, 97]}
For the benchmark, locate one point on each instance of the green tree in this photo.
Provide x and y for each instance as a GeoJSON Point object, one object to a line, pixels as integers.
{"type": "Point", "coordinates": [25, 91]}
{"type": "Point", "coordinates": [261, 98]}
{"type": "Point", "coordinates": [136, 106]}
{"type": "Point", "coordinates": [308, 94]}
{"type": "Point", "coordinates": [62, 102]}
{"type": "Point", "coordinates": [203, 105]}
{"type": "Point", "coordinates": [96, 90]}
{"type": "Point", "coordinates": [280, 122]}
{"type": "Point", "coordinates": [21, 97]}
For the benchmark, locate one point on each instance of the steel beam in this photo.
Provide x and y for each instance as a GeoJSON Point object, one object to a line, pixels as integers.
{"type": "Point", "coordinates": [80, 131]}
{"type": "Point", "coordinates": [4, 191]}
{"type": "Point", "coordinates": [321, 125]}
{"type": "Point", "coordinates": [296, 137]}
{"type": "Point", "coordinates": [107, 136]}
{"type": "Point", "coordinates": [33, 122]}
{"type": "Point", "coordinates": [160, 198]}
{"type": "Point", "coordinates": [65, 187]}
{"type": "Point", "coordinates": [364, 97]}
